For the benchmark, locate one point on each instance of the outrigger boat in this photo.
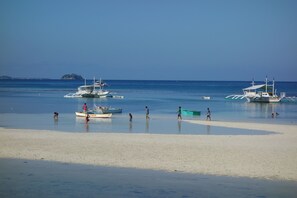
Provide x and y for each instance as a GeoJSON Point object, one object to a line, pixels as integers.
{"type": "Point", "coordinates": [263, 93]}
{"type": "Point", "coordinates": [93, 115]}
{"type": "Point", "coordinates": [94, 90]}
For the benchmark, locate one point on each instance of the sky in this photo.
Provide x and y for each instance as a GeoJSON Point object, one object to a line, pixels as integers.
{"type": "Point", "coordinates": [149, 39]}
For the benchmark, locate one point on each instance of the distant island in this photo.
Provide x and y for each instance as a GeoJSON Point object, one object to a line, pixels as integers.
{"type": "Point", "coordinates": [72, 77]}
{"type": "Point", "coordinates": [5, 78]}
{"type": "Point", "coordinates": [64, 77]}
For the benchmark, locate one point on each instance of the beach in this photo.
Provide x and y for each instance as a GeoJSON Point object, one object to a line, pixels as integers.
{"type": "Point", "coordinates": [272, 157]}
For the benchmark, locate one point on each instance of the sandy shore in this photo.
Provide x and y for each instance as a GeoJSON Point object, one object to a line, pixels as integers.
{"type": "Point", "coordinates": [271, 156]}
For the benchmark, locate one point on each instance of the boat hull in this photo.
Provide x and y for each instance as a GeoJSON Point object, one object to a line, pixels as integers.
{"type": "Point", "coordinates": [93, 115]}
{"type": "Point", "coordinates": [91, 95]}
{"type": "Point", "coordinates": [112, 110]}
{"type": "Point", "coordinates": [190, 113]}
{"type": "Point", "coordinates": [107, 109]}
{"type": "Point", "coordinates": [264, 99]}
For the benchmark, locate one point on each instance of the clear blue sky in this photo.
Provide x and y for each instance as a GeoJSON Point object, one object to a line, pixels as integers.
{"type": "Point", "coordinates": [153, 39]}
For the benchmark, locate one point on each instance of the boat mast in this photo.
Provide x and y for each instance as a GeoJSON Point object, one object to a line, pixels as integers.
{"type": "Point", "coordinates": [266, 84]}
{"type": "Point", "coordinates": [94, 84]}
{"type": "Point", "coordinates": [273, 87]}
{"type": "Point", "coordinates": [100, 84]}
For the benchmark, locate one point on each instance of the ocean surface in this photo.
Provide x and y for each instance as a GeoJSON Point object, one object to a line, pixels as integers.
{"type": "Point", "coordinates": [31, 103]}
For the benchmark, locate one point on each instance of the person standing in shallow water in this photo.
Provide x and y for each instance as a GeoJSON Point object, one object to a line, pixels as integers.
{"type": "Point", "coordinates": [87, 118]}
{"type": "Point", "coordinates": [85, 108]}
{"type": "Point", "coordinates": [147, 113]}
{"type": "Point", "coordinates": [56, 115]}
{"type": "Point", "coordinates": [130, 117]}
{"type": "Point", "coordinates": [179, 117]}
{"type": "Point", "coordinates": [208, 115]}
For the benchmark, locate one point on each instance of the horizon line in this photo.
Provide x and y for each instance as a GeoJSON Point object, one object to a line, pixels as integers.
{"type": "Point", "coordinates": [46, 78]}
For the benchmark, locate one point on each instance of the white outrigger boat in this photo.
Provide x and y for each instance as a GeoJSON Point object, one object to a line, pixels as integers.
{"type": "Point", "coordinates": [263, 93]}
{"type": "Point", "coordinates": [93, 115]}
{"type": "Point", "coordinates": [94, 90]}
{"type": "Point", "coordinates": [90, 91]}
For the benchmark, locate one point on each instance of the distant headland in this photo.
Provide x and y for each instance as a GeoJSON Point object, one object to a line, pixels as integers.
{"type": "Point", "coordinates": [64, 77]}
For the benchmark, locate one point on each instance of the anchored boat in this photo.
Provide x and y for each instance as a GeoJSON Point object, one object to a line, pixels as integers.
{"type": "Point", "coordinates": [263, 93]}
{"type": "Point", "coordinates": [94, 90]}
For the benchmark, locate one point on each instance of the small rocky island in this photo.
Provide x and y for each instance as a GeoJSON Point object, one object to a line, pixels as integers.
{"type": "Point", "coordinates": [72, 77]}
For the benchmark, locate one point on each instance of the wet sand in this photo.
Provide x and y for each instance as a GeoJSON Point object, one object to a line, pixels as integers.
{"type": "Point", "coordinates": [40, 178]}
{"type": "Point", "coordinates": [271, 156]}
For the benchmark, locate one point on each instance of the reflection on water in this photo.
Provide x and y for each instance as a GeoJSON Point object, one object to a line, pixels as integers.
{"type": "Point", "coordinates": [56, 121]}
{"type": "Point", "coordinates": [93, 120]}
{"type": "Point", "coordinates": [179, 127]}
{"type": "Point", "coordinates": [208, 129]}
{"type": "Point", "coordinates": [87, 127]}
{"type": "Point", "coordinates": [147, 125]}
{"type": "Point", "coordinates": [130, 126]}
{"type": "Point", "coordinates": [261, 110]}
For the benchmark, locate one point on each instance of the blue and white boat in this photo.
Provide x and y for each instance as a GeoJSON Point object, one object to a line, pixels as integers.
{"type": "Point", "coordinates": [94, 90]}
{"type": "Point", "coordinates": [262, 93]}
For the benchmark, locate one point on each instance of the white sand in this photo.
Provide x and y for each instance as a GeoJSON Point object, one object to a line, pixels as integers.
{"type": "Point", "coordinates": [263, 156]}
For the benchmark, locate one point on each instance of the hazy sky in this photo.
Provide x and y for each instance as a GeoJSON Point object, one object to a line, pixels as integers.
{"type": "Point", "coordinates": [152, 39]}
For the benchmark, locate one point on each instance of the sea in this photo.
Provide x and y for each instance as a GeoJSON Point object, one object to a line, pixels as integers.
{"type": "Point", "coordinates": [30, 104]}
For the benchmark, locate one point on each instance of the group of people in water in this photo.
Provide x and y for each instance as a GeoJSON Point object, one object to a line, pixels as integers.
{"type": "Point", "coordinates": [274, 114]}
{"type": "Point", "coordinates": [147, 114]}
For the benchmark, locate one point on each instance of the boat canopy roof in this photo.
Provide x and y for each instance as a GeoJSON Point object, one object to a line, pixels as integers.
{"type": "Point", "coordinates": [90, 86]}
{"type": "Point", "coordinates": [254, 87]}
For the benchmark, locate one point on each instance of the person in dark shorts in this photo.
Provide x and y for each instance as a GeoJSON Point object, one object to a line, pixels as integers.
{"type": "Point", "coordinates": [208, 114]}
{"type": "Point", "coordinates": [147, 113]}
{"type": "Point", "coordinates": [179, 117]}
{"type": "Point", "coordinates": [130, 117]}
{"type": "Point", "coordinates": [87, 118]}
{"type": "Point", "coordinates": [56, 115]}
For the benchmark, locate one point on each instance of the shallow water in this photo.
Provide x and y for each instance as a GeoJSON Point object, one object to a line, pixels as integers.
{"type": "Point", "coordinates": [31, 103]}
{"type": "Point", "coordinates": [119, 123]}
